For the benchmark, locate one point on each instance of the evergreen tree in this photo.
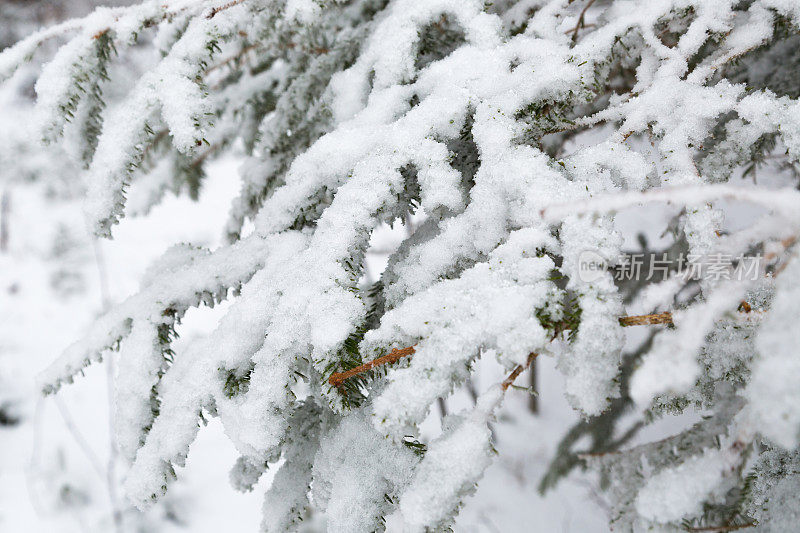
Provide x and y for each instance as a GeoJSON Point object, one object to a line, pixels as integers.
{"type": "Point", "coordinates": [515, 130]}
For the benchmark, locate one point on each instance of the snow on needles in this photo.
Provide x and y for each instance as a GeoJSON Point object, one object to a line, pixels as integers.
{"type": "Point", "coordinates": [513, 132]}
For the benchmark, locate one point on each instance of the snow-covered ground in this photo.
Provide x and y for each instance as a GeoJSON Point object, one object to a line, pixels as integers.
{"type": "Point", "coordinates": [54, 465]}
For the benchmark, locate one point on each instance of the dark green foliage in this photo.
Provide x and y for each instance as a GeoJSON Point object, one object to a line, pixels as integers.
{"type": "Point", "coordinates": [438, 40]}
{"type": "Point", "coordinates": [353, 391]}
{"type": "Point", "coordinates": [94, 104]}
{"type": "Point", "coordinates": [166, 336]}
{"type": "Point", "coordinates": [464, 156]}
{"type": "Point", "coordinates": [415, 446]}
{"type": "Point", "coordinates": [772, 66]}
{"type": "Point", "coordinates": [188, 173]}
{"type": "Point", "coordinates": [302, 111]}
{"type": "Point", "coordinates": [83, 103]}
{"type": "Point", "coordinates": [545, 117]}
{"type": "Point", "coordinates": [566, 317]}
{"type": "Point", "coordinates": [235, 383]}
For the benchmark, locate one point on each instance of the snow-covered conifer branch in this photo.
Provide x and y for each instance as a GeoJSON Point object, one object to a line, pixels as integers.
{"type": "Point", "coordinates": [398, 353]}
{"type": "Point", "coordinates": [515, 133]}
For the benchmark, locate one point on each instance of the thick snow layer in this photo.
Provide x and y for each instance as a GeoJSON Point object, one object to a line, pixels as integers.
{"type": "Point", "coordinates": [202, 500]}
{"type": "Point", "coordinates": [775, 400]}
{"type": "Point", "coordinates": [676, 493]}
{"type": "Point", "coordinates": [352, 126]}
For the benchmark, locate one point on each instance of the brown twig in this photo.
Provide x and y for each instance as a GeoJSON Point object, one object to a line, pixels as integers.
{"type": "Point", "coordinates": [517, 371]}
{"type": "Point", "coordinates": [391, 357]}
{"type": "Point", "coordinates": [315, 50]}
{"type": "Point", "coordinates": [585, 27]}
{"type": "Point", "coordinates": [223, 7]}
{"type": "Point", "coordinates": [645, 320]}
{"type": "Point", "coordinates": [395, 355]}
{"type": "Point", "coordinates": [785, 243]}
{"type": "Point", "coordinates": [580, 24]}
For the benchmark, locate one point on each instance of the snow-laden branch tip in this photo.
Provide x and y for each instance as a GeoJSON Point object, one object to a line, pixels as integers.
{"type": "Point", "coordinates": [783, 202]}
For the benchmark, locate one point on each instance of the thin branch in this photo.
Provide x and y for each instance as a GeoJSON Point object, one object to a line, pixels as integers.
{"type": "Point", "coordinates": [197, 161]}
{"type": "Point", "coordinates": [517, 371]}
{"type": "Point", "coordinates": [533, 398]}
{"type": "Point", "coordinates": [585, 27]}
{"type": "Point", "coordinates": [111, 463]}
{"type": "Point", "coordinates": [579, 25]}
{"type": "Point", "coordinates": [723, 528]}
{"type": "Point", "coordinates": [102, 275]}
{"type": "Point", "coordinates": [33, 464]}
{"type": "Point", "coordinates": [78, 437]}
{"type": "Point", "coordinates": [223, 7]}
{"type": "Point", "coordinates": [395, 355]}
{"type": "Point", "coordinates": [644, 320]}
{"type": "Point", "coordinates": [391, 357]}
{"type": "Point", "coordinates": [782, 201]}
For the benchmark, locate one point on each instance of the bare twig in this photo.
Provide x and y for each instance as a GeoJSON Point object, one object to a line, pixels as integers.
{"type": "Point", "coordinates": [197, 161]}
{"type": "Point", "coordinates": [517, 371]}
{"type": "Point", "coordinates": [102, 275]}
{"type": "Point", "coordinates": [580, 23]}
{"type": "Point", "coordinates": [585, 27]}
{"type": "Point", "coordinates": [32, 469]}
{"type": "Point", "coordinates": [223, 7]}
{"type": "Point", "coordinates": [77, 436]}
{"type": "Point", "coordinates": [533, 399]}
{"type": "Point", "coordinates": [442, 407]}
{"type": "Point", "coordinates": [644, 320]}
{"type": "Point", "coordinates": [391, 357]}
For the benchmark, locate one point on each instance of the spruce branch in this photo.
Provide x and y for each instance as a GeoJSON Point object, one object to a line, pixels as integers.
{"type": "Point", "coordinates": [395, 355]}
{"type": "Point", "coordinates": [290, 80]}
